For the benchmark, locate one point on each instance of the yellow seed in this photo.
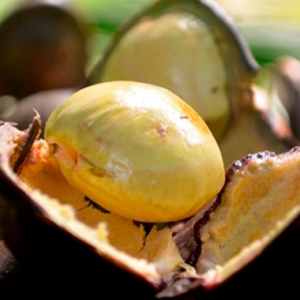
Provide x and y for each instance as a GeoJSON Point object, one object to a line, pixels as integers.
{"type": "Point", "coordinates": [137, 150]}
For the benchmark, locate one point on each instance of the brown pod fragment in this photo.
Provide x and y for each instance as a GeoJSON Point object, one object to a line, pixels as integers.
{"type": "Point", "coordinates": [286, 72]}
{"type": "Point", "coordinates": [258, 125]}
{"type": "Point", "coordinates": [8, 265]}
{"type": "Point", "coordinates": [44, 102]}
{"type": "Point", "coordinates": [42, 48]}
{"type": "Point", "coordinates": [255, 220]}
{"type": "Point", "coordinates": [260, 201]}
{"type": "Point", "coordinates": [37, 237]}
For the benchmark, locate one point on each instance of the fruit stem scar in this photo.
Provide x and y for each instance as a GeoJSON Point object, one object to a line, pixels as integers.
{"type": "Point", "coordinates": [32, 133]}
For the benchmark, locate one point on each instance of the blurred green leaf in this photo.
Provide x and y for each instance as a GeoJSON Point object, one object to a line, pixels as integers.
{"type": "Point", "coordinates": [6, 6]}
{"type": "Point", "coordinates": [108, 14]}
{"type": "Point", "coordinates": [271, 27]}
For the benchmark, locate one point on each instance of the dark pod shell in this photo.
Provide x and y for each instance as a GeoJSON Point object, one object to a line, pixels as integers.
{"type": "Point", "coordinates": [232, 44]}
{"type": "Point", "coordinates": [260, 189]}
{"type": "Point", "coordinates": [43, 47]}
{"type": "Point", "coordinates": [257, 125]}
{"type": "Point", "coordinates": [52, 245]}
{"type": "Point", "coordinates": [51, 257]}
{"type": "Point", "coordinates": [207, 65]}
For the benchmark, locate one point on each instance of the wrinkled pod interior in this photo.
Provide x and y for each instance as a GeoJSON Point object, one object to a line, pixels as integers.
{"type": "Point", "coordinates": [260, 198]}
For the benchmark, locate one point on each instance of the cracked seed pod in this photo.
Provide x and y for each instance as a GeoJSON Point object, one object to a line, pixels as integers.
{"type": "Point", "coordinates": [189, 47]}
{"type": "Point", "coordinates": [258, 125]}
{"type": "Point", "coordinates": [194, 49]}
{"type": "Point", "coordinates": [51, 228]}
{"type": "Point", "coordinates": [137, 150]}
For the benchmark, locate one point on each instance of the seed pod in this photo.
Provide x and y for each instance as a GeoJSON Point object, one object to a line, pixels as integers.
{"type": "Point", "coordinates": [189, 47]}
{"type": "Point", "coordinates": [57, 232]}
{"type": "Point", "coordinates": [52, 242]}
{"type": "Point", "coordinates": [42, 48]}
{"type": "Point", "coordinates": [194, 49]}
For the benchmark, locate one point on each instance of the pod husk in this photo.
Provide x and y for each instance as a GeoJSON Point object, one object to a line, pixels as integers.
{"type": "Point", "coordinates": [257, 125]}
{"type": "Point", "coordinates": [43, 47]}
{"type": "Point", "coordinates": [237, 60]}
{"type": "Point", "coordinates": [273, 257]}
{"type": "Point", "coordinates": [232, 44]}
{"type": "Point", "coordinates": [49, 251]}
